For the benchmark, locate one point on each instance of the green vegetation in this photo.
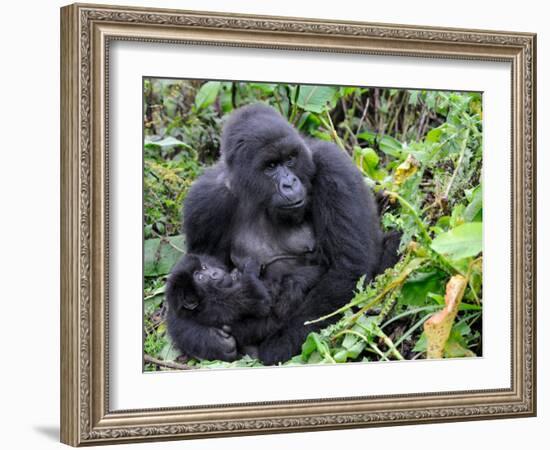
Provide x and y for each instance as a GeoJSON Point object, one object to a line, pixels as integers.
{"type": "Point", "coordinates": [420, 151]}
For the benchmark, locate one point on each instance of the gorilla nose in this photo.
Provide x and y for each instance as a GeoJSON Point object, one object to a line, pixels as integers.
{"type": "Point", "coordinates": [289, 184]}
{"type": "Point", "coordinates": [216, 274]}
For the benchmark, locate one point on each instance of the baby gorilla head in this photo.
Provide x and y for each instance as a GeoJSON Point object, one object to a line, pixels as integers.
{"type": "Point", "coordinates": [203, 276]}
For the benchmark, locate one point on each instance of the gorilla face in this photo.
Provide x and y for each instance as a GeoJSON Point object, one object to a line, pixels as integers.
{"type": "Point", "coordinates": [288, 193]}
{"type": "Point", "coordinates": [269, 166]}
{"type": "Point", "coordinates": [200, 276]}
{"type": "Point", "coordinates": [206, 276]}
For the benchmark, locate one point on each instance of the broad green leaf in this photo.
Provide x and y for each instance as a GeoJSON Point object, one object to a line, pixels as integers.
{"type": "Point", "coordinates": [391, 146]}
{"type": "Point", "coordinates": [415, 291]}
{"type": "Point", "coordinates": [266, 88]}
{"type": "Point", "coordinates": [160, 255]}
{"type": "Point", "coordinates": [461, 242]}
{"type": "Point", "coordinates": [474, 209]}
{"type": "Point", "coordinates": [315, 98]}
{"type": "Point", "coordinates": [341, 356]}
{"type": "Point", "coordinates": [356, 349]}
{"type": "Point", "coordinates": [151, 304]}
{"type": "Point", "coordinates": [349, 341]}
{"type": "Point", "coordinates": [315, 358]}
{"type": "Point", "coordinates": [166, 143]}
{"type": "Point", "coordinates": [434, 135]}
{"type": "Point", "coordinates": [368, 136]}
{"type": "Point", "coordinates": [309, 346]}
{"type": "Point", "coordinates": [315, 345]}
{"type": "Point", "coordinates": [226, 97]}
{"type": "Point", "coordinates": [367, 160]}
{"type": "Point", "coordinates": [207, 94]}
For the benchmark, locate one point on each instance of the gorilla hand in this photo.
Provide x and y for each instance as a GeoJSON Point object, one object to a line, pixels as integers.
{"type": "Point", "coordinates": [222, 345]}
{"type": "Point", "coordinates": [251, 267]}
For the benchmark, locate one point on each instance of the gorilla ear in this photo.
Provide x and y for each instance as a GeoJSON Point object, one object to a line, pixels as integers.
{"type": "Point", "coordinates": [230, 149]}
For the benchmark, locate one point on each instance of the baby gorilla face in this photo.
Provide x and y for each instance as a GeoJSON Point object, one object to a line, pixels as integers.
{"type": "Point", "coordinates": [211, 276]}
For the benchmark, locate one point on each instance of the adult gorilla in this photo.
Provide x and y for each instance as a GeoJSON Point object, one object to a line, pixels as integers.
{"type": "Point", "coordinates": [298, 207]}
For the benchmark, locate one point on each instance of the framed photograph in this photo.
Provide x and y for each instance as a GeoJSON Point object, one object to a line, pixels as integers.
{"type": "Point", "coordinates": [279, 224]}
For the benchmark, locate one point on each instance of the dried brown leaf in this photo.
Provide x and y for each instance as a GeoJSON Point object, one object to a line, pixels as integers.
{"type": "Point", "coordinates": [438, 327]}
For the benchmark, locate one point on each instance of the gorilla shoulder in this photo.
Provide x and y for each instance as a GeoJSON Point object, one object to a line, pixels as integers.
{"type": "Point", "coordinates": [205, 228]}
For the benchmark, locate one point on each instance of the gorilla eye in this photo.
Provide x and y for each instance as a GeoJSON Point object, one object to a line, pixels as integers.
{"type": "Point", "coordinates": [199, 276]}
{"type": "Point", "coordinates": [272, 165]}
{"type": "Point", "coordinates": [291, 160]}
{"type": "Point", "coordinates": [203, 267]}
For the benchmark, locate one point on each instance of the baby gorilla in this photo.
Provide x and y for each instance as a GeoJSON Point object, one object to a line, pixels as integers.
{"type": "Point", "coordinates": [201, 288]}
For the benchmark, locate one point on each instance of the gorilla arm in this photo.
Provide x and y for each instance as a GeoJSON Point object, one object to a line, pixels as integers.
{"type": "Point", "coordinates": [208, 214]}
{"type": "Point", "coordinates": [349, 241]}
{"type": "Point", "coordinates": [206, 231]}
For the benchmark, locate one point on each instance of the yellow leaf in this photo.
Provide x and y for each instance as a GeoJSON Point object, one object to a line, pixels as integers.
{"type": "Point", "coordinates": [405, 170]}
{"type": "Point", "coordinates": [438, 327]}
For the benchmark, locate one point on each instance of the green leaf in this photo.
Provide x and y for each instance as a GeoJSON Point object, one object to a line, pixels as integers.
{"type": "Point", "coordinates": [207, 94]}
{"type": "Point", "coordinates": [413, 97]}
{"type": "Point", "coordinates": [434, 135]}
{"type": "Point", "coordinates": [422, 344]}
{"type": "Point", "coordinates": [367, 160]}
{"type": "Point", "coordinates": [169, 352]}
{"type": "Point", "coordinates": [368, 136]}
{"type": "Point", "coordinates": [341, 356]}
{"type": "Point", "coordinates": [151, 304]}
{"type": "Point", "coordinates": [226, 97]}
{"type": "Point", "coordinates": [415, 291]}
{"type": "Point", "coordinates": [391, 146]}
{"type": "Point", "coordinates": [457, 216]}
{"type": "Point", "coordinates": [349, 341]}
{"type": "Point", "coordinates": [461, 242]}
{"type": "Point", "coordinates": [474, 209]}
{"type": "Point", "coordinates": [166, 143]}
{"type": "Point", "coordinates": [356, 349]}
{"type": "Point", "coordinates": [454, 349]}
{"type": "Point", "coordinates": [160, 255]}
{"type": "Point", "coordinates": [309, 346]}
{"type": "Point", "coordinates": [371, 158]}
{"type": "Point", "coordinates": [265, 88]}
{"type": "Point", "coordinates": [315, 98]}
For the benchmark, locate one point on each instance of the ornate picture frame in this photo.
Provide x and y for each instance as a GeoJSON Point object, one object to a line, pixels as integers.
{"type": "Point", "coordinates": [87, 32]}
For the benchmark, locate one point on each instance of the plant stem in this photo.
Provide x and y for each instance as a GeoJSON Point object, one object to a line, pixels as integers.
{"type": "Point", "coordinates": [370, 344]}
{"type": "Point", "coordinates": [360, 124]}
{"type": "Point", "coordinates": [458, 164]}
{"type": "Point", "coordinates": [390, 287]}
{"type": "Point", "coordinates": [410, 312]}
{"type": "Point", "coordinates": [391, 345]}
{"type": "Point", "coordinates": [295, 105]}
{"type": "Point", "coordinates": [412, 330]}
{"type": "Point", "coordinates": [416, 217]}
{"type": "Point", "coordinates": [330, 126]}
{"type": "Point", "coordinates": [168, 364]}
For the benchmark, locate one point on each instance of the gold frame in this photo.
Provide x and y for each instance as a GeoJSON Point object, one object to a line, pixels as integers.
{"type": "Point", "coordinates": [86, 31]}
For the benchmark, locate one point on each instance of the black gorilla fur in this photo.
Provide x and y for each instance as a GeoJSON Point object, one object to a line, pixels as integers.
{"type": "Point", "coordinates": [203, 290]}
{"type": "Point", "coordinates": [302, 210]}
